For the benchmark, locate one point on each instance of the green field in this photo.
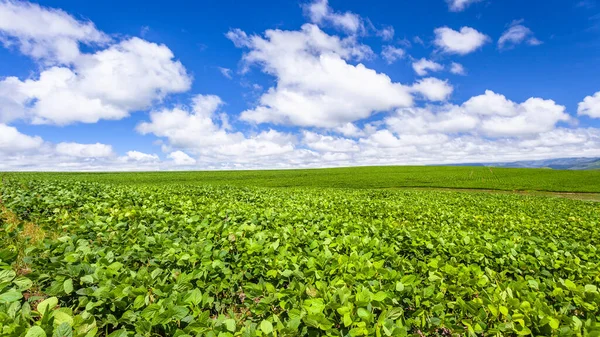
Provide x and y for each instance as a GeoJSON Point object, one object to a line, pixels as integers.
{"type": "Point", "coordinates": [360, 178]}
{"type": "Point", "coordinates": [332, 252]}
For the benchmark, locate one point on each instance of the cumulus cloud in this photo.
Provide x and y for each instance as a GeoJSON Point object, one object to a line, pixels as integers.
{"type": "Point", "coordinates": [108, 84]}
{"type": "Point", "coordinates": [319, 12]}
{"type": "Point", "coordinates": [433, 89]}
{"type": "Point", "coordinates": [96, 150]}
{"type": "Point", "coordinates": [489, 115]}
{"type": "Point", "coordinates": [391, 54]}
{"type": "Point", "coordinates": [324, 143]}
{"type": "Point", "coordinates": [316, 84]}
{"type": "Point", "coordinates": [19, 151]}
{"type": "Point", "coordinates": [460, 5]}
{"type": "Point", "coordinates": [137, 156]}
{"type": "Point", "coordinates": [195, 129]}
{"type": "Point", "coordinates": [349, 130]}
{"type": "Point", "coordinates": [462, 42]}
{"type": "Point", "coordinates": [516, 34]}
{"type": "Point", "coordinates": [590, 106]}
{"type": "Point", "coordinates": [181, 158]}
{"type": "Point", "coordinates": [423, 66]}
{"type": "Point", "coordinates": [457, 69]}
{"type": "Point", "coordinates": [46, 34]}
{"type": "Point", "coordinates": [11, 140]}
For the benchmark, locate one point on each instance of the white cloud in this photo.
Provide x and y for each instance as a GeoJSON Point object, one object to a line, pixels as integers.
{"type": "Point", "coordinates": [489, 115]}
{"type": "Point", "coordinates": [181, 158]}
{"type": "Point", "coordinates": [19, 151]}
{"type": "Point", "coordinates": [457, 69]}
{"type": "Point", "coordinates": [445, 119]}
{"type": "Point", "coordinates": [386, 33]}
{"type": "Point", "coordinates": [531, 117]}
{"type": "Point", "coordinates": [137, 156]}
{"type": "Point", "coordinates": [84, 150]}
{"type": "Point", "coordinates": [422, 66]}
{"type": "Point", "coordinates": [109, 84]}
{"type": "Point", "coordinates": [559, 137]}
{"type": "Point", "coordinates": [349, 130]}
{"type": "Point", "coordinates": [12, 141]}
{"type": "Point", "coordinates": [433, 89]}
{"type": "Point", "coordinates": [44, 33]}
{"type": "Point", "coordinates": [194, 129]}
{"type": "Point", "coordinates": [225, 72]}
{"type": "Point", "coordinates": [460, 5]}
{"type": "Point", "coordinates": [238, 37]}
{"type": "Point", "coordinates": [590, 106]}
{"type": "Point", "coordinates": [391, 53]}
{"type": "Point", "coordinates": [328, 143]}
{"type": "Point", "coordinates": [490, 104]}
{"type": "Point", "coordinates": [320, 13]}
{"type": "Point", "coordinates": [316, 86]}
{"type": "Point", "coordinates": [462, 42]}
{"type": "Point", "coordinates": [517, 34]}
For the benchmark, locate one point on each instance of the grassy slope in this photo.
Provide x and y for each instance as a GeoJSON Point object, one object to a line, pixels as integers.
{"type": "Point", "coordinates": [363, 177]}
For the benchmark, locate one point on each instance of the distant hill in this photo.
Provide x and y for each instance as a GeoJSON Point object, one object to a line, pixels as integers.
{"type": "Point", "coordinates": [557, 164]}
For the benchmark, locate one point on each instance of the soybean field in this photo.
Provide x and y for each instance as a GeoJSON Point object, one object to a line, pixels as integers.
{"type": "Point", "coordinates": [336, 252]}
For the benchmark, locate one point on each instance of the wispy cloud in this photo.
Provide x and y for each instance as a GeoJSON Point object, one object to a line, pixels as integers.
{"type": "Point", "coordinates": [225, 71]}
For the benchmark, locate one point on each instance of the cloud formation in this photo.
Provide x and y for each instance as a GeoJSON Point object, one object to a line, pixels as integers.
{"type": "Point", "coordinates": [462, 42]}
{"type": "Point", "coordinates": [45, 34]}
{"type": "Point", "coordinates": [460, 5]}
{"type": "Point", "coordinates": [110, 83]}
{"type": "Point", "coordinates": [423, 66]}
{"type": "Point", "coordinates": [516, 34]}
{"type": "Point", "coordinates": [325, 106]}
{"type": "Point", "coordinates": [316, 84]}
{"type": "Point", "coordinates": [590, 106]}
{"type": "Point", "coordinates": [321, 13]}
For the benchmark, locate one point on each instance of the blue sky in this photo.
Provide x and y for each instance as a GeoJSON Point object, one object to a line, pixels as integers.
{"type": "Point", "coordinates": [132, 85]}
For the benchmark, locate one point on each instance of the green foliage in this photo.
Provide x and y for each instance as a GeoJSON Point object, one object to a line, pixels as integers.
{"type": "Point", "coordinates": [180, 260]}
{"type": "Point", "coordinates": [507, 179]}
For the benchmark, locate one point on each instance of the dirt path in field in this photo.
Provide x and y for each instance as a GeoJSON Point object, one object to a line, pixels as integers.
{"type": "Point", "coordinates": [593, 197]}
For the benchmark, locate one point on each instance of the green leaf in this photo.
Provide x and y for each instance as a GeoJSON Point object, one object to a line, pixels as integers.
{"type": "Point", "coordinates": [61, 317]}
{"type": "Point", "coordinates": [23, 283]}
{"type": "Point", "coordinates": [363, 313]}
{"type": "Point", "coordinates": [10, 296]}
{"type": "Point", "coordinates": [63, 330]}
{"type": "Point", "coordinates": [347, 320]}
{"type": "Point", "coordinates": [194, 297]}
{"type": "Point", "coordinates": [87, 279]}
{"type": "Point", "coordinates": [7, 275]}
{"type": "Point", "coordinates": [35, 331]}
{"type": "Point", "coordinates": [230, 324]}
{"type": "Point", "coordinates": [47, 305]}
{"type": "Point", "coordinates": [380, 296]}
{"type": "Point", "coordinates": [68, 286]}
{"type": "Point", "coordinates": [570, 285]}
{"type": "Point", "coordinates": [266, 327]}
{"type": "Point", "coordinates": [399, 286]}
{"type": "Point", "coordinates": [118, 333]}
